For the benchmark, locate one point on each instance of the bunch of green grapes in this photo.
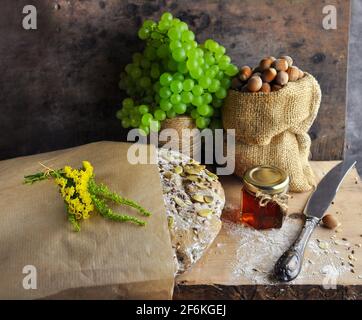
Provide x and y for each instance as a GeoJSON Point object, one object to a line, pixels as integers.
{"type": "Point", "coordinates": [174, 75]}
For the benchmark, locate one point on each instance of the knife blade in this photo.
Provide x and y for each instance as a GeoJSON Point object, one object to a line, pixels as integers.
{"type": "Point", "coordinates": [289, 264]}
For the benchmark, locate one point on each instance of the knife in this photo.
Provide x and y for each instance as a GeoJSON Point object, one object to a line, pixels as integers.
{"type": "Point", "coordinates": [289, 264]}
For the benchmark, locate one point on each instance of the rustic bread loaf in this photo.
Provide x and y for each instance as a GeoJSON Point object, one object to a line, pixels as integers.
{"type": "Point", "coordinates": [194, 200]}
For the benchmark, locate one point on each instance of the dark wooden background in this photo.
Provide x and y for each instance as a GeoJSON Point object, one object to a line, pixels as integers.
{"type": "Point", "coordinates": [59, 83]}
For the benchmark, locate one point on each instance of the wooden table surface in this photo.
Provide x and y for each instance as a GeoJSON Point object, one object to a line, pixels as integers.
{"type": "Point", "coordinates": [214, 277]}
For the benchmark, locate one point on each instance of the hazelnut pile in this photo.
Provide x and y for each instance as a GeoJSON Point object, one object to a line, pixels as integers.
{"type": "Point", "coordinates": [270, 75]}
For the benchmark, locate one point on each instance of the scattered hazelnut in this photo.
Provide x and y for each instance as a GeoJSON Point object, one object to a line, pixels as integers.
{"type": "Point", "coordinates": [282, 78]}
{"type": "Point", "coordinates": [265, 87]}
{"type": "Point", "coordinates": [235, 83]}
{"type": "Point", "coordinates": [269, 75]}
{"type": "Point", "coordinates": [289, 60]}
{"type": "Point", "coordinates": [280, 65]}
{"type": "Point", "coordinates": [265, 64]}
{"type": "Point", "coordinates": [301, 74]}
{"type": "Point", "coordinates": [254, 84]}
{"type": "Point", "coordinates": [293, 73]}
{"type": "Point", "coordinates": [330, 222]}
{"type": "Point", "coordinates": [245, 73]}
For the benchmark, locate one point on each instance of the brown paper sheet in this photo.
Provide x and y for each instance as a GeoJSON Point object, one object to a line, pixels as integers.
{"type": "Point", "coordinates": [106, 259]}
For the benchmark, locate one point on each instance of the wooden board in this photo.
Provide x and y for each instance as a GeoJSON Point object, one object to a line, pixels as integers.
{"type": "Point", "coordinates": [61, 85]}
{"type": "Point", "coordinates": [212, 276]}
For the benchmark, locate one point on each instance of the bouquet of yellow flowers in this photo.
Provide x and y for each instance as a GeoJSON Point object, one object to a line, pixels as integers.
{"type": "Point", "coordinates": [82, 195]}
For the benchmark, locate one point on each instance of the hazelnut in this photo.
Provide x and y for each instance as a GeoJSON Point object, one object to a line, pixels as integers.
{"type": "Point", "coordinates": [269, 75]}
{"type": "Point", "coordinates": [265, 64]}
{"type": "Point", "coordinates": [289, 60]}
{"type": "Point", "coordinates": [301, 74]}
{"type": "Point", "coordinates": [282, 78]}
{"type": "Point", "coordinates": [293, 73]}
{"type": "Point", "coordinates": [265, 87]}
{"type": "Point", "coordinates": [245, 73]}
{"type": "Point", "coordinates": [271, 58]}
{"type": "Point", "coordinates": [330, 222]}
{"type": "Point", "coordinates": [280, 65]}
{"type": "Point", "coordinates": [254, 84]}
{"type": "Point", "coordinates": [235, 83]}
{"type": "Point", "coordinates": [275, 87]}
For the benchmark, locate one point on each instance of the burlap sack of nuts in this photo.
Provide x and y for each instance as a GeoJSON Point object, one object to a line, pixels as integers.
{"type": "Point", "coordinates": [272, 128]}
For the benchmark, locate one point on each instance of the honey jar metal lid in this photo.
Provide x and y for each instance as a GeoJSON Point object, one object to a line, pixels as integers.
{"type": "Point", "coordinates": [266, 179]}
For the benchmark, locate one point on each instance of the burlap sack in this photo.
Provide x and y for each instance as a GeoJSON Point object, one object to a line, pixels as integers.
{"type": "Point", "coordinates": [272, 128]}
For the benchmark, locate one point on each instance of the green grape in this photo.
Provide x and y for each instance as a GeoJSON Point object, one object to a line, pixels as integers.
{"type": "Point", "coordinates": [193, 44]}
{"type": "Point", "coordinates": [165, 92]}
{"type": "Point", "coordinates": [172, 65]}
{"type": "Point", "coordinates": [165, 104]}
{"type": "Point", "coordinates": [208, 120]}
{"type": "Point", "coordinates": [201, 122]}
{"type": "Point", "coordinates": [197, 90]}
{"type": "Point", "coordinates": [225, 82]}
{"type": "Point", "coordinates": [165, 79]}
{"type": "Point", "coordinates": [219, 75]}
{"type": "Point", "coordinates": [142, 109]}
{"type": "Point", "coordinates": [182, 26]}
{"type": "Point", "coordinates": [210, 113]}
{"type": "Point", "coordinates": [220, 50]}
{"type": "Point", "coordinates": [175, 21]}
{"type": "Point", "coordinates": [180, 108]}
{"type": "Point", "coordinates": [155, 125]}
{"type": "Point", "coordinates": [207, 43]}
{"type": "Point", "coordinates": [186, 97]}
{"type": "Point", "coordinates": [197, 101]}
{"type": "Point", "coordinates": [174, 33]}
{"type": "Point", "coordinates": [156, 35]}
{"type": "Point", "coordinates": [156, 98]}
{"type": "Point", "coordinates": [164, 25]}
{"type": "Point", "coordinates": [196, 73]}
{"type": "Point", "coordinates": [204, 82]}
{"type": "Point", "coordinates": [192, 64]}
{"type": "Point", "coordinates": [213, 46]}
{"type": "Point", "coordinates": [167, 17]}
{"type": "Point", "coordinates": [221, 93]}
{"type": "Point", "coordinates": [192, 53]}
{"type": "Point", "coordinates": [200, 52]}
{"type": "Point", "coordinates": [171, 114]}
{"type": "Point", "coordinates": [216, 124]}
{"type": "Point", "coordinates": [209, 58]}
{"type": "Point", "coordinates": [126, 123]}
{"type": "Point", "coordinates": [120, 114]}
{"type": "Point", "coordinates": [182, 67]}
{"type": "Point", "coordinates": [129, 68]}
{"type": "Point", "coordinates": [143, 33]}
{"type": "Point", "coordinates": [214, 85]}
{"type": "Point", "coordinates": [174, 44]}
{"type": "Point", "coordinates": [178, 76]}
{"type": "Point", "coordinates": [188, 84]}
{"type": "Point", "coordinates": [128, 103]}
{"type": "Point", "coordinates": [218, 56]}
{"type": "Point", "coordinates": [162, 51]}
{"type": "Point", "coordinates": [145, 82]}
{"type": "Point", "coordinates": [150, 53]}
{"type": "Point", "coordinates": [136, 73]}
{"type": "Point", "coordinates": [203, 109]}
{"type": "Point", "coordinates": [144, 130]}
{"type": "Point", "coordinates": [146, 119]}
{"type": "Point", "coordinates": [159, 115]}
{"type": "Point", "coordinates": [155, 73]}
{"type": "Point", "coordinates": [187, 36]}
{"type": "Point", "coordinates": [179, 54]}
{"type": "Point", "coordinates": [134, 122]}
{"type": "Point", "coordinates": [150, 24]}
{"type": "Point", "coordinates": [175, 98]}
{"type": "Point", "coordinates": [224, 59]}
{"type": "Point", "coordinates": [210, 73]}
{"type": "Point", "coordinates": [145, 63]}
{"type": "Point", "coordinates": [223, 65]}
{"type": "Point", "coordinates": [156, 87]}
{"type": "Point", "coordinates": [231, 70]}
{"type": "Point", "coordinates": [186, 46]}
{"type": "Point", "coordinates": [136, 58]}
{"type": "Point", "coordinates": [207, 98]}
{"type": "Point", "coordinates": [176, 86]}
{"type": "Point", "coordinates": [194, 114]}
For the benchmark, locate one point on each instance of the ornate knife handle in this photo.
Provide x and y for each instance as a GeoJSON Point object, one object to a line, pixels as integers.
{"type": "Point", "coordinates": [290, 263]}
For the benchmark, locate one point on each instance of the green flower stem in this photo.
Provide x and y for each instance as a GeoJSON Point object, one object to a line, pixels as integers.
{"type": "Point", "coordinates": [106, 212]}
{"type": "Point", "coordinates": [74, 222]}
{"type": "Point", "coordinates": [102, 190]}
{"type": "Point", "coordinates": [30, 179]}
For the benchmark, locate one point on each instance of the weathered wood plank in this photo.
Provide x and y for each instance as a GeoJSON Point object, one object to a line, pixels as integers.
{"type": "Point", "coordinates": [59, 85]}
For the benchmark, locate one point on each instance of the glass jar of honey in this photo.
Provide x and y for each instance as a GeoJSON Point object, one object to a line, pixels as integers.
{"type": "Point", "coordinates": [264, 197]}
